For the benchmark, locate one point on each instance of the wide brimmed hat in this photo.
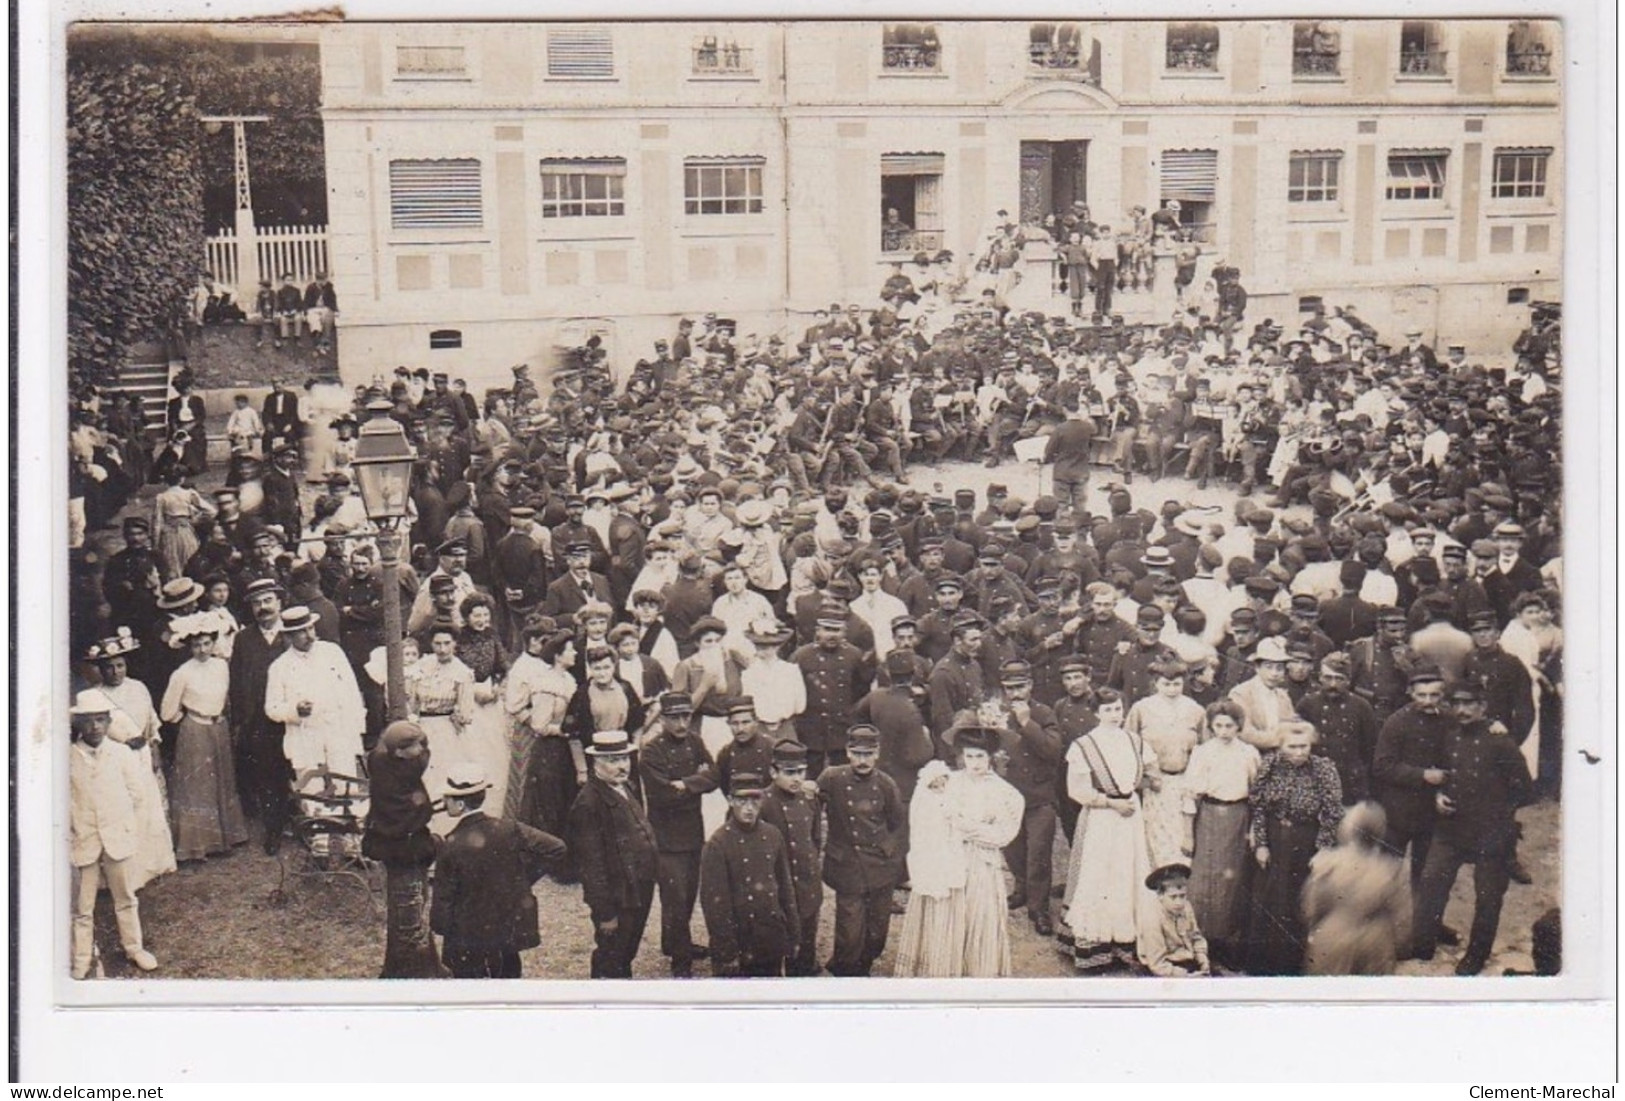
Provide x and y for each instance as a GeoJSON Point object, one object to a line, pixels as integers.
{"type": "Point", "coordinates": [754, 513]}
{"type": "Point", "coordinates": [466, 778]}
{"type": "Point", "coordinates": [91, 701]}
{"type": "Point", "coordinates": [298, 618]}
{"type": "Point", "coordinates": [769, 632]}
{"type": "Point", "coordinates": [610, 743]}
{"type": "Point", "coordinates": [972, 736]}
{"type": "Point", "coordinates": [1168, 873]}
{"type": "Point", "coordinates": [178, 594]}
{"type": "Point", "coordinates": [1270, 649]}
{"type": "Point", "coordinates": [120, 643]}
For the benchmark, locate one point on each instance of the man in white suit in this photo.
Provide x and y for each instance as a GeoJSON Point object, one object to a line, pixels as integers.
{"type": "Point", "coordinates": [105, 810]}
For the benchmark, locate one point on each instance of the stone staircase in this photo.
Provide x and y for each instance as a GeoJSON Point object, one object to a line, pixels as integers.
{"type": "Point", "coordinates": [147, 374]}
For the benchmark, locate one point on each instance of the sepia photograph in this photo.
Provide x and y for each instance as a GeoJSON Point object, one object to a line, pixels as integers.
{"type": "Point", "coordinates": [805, 499]}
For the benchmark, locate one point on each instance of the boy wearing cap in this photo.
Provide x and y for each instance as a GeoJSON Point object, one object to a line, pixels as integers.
{"type": "Point", "coordinates": [677, 770]}
{"type": "Point", "coordinates": [616, 855]}
{"type": "Point", "coordinates": [1487, 782]}
{"type": "Point", "coordinates": [791, 806]}
{"type": "Point", "coordinates": [747, 889]}
{"type": "Point", "coordinates": [864, 851]}
{"type": "Point", "coordinates": [1171, 945]}
{"type": "Point", "coordinates": [106, 806]}
{"type": "Point", "coordinates": [483, 905]}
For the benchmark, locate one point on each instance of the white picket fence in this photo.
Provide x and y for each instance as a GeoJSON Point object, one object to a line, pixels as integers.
{"type": "Point", "coordinates": [301, 250]}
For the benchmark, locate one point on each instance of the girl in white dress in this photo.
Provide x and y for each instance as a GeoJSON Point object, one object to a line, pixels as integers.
{"type": "Point", "coordinates": [204, 807]}
{"type": "Point", "coordinates": [134, 722]}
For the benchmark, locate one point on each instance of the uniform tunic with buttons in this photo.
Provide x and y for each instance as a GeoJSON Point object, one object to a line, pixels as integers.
{"type": "Point", "coordinates": [866, 820]}
{"type": "Point", "coordinates": [1411, 742]}
{"type": "Point", "coordinates": [1348, 730]}
{"type": "Point", "coordinates": [836, 679]}
{"type": "Point", "coordinates": [748, 895]}
{"type": "Point", "coordinates": [796, 817]}
{"type": "Point", "coordinates": [675, 815]}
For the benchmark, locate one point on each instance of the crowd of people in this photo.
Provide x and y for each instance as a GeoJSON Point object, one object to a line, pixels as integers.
{"type": "Point", "coordinates": [701, 628]}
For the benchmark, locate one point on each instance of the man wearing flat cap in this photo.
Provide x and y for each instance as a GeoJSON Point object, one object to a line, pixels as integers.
{"type": "Point", "coordinates": [677, 770]}
{"type": "Point", "coordinates": [483, 905]}
{"type": "Point", "coordinates": [616, 855]}
{"type": "Point", "coordinates": [837, 674]}
{"type": "Point", "coordinates": [579, 584]}
{"type": "Point", "coordinates": [747, 889]}
{"type": "Point", "coordinates": [1383, 662]}
{"type": "Point", "coordinates": [1407, 770]}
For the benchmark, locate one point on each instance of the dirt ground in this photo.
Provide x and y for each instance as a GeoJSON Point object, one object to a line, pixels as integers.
{"type": "Point", "coordinates": [220, 920]}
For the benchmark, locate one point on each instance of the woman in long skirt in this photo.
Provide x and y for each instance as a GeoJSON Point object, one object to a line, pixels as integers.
{"type": "Point", "coordinates": [175, 510]}
{"type": "Point", "coordinates": [204, 809]}
{"type": "Point", "coordinates": [1296, 804]}
{"type": "Point", "coordinates": [398, 837]}
{"type": "Point", "coordinates": [986, 811]}
{"type": "Point", "coordinates": [1106, 893]}
{"type": "Point", "coordinates": [479, 648]}
{"type": "Point", "coordinates": [931, 945]}
{"type": "Point", "coordinates": [134, 722]}
{"type": "Point", "coordinates": [554, 760]}
{"type": "Point", "coordinates": [1217, 783]}
{"type": "Point", "coordinates": [442, 703]}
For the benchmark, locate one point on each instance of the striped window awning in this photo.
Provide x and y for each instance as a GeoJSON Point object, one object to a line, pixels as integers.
{"type": "Point", "coordinates": [588, 166]}
{"type": "Point", "coordinates": [580, 52]}
{"type": "Point", "coordinates": [912, 164]}
{"type": "Point", "coordinates": [1190, 175]}
{"type": "Point", "coordinates": [435, 194]}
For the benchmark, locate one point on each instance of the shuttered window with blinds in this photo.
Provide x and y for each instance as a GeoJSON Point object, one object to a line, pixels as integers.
{"type": "Point", "coordinates": [580, 53]}
{"type": "Point", "coordinates": [440, 194]}
{"type": "Point", "coordinates": [1416, 175]}
{"type": "Point", "coordinates": [1190, 175]}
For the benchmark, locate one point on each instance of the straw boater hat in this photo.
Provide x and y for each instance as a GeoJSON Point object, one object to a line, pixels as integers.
{"type": "Point", "coordinates": [610, 743]}
{"type": "Point", "coordinates": [178, 594]}
{"type": "Point", "coordinates": [466, 778]}
{"type": "Point", "coordinates": [298, 618]}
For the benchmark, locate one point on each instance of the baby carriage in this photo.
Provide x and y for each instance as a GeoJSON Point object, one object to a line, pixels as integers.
{"type": "Point", "coordinates": [329, 818]}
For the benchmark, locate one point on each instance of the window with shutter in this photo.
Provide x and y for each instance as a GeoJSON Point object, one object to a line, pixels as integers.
{"type": "Point", "coordinates": [573, 188]}
{"type": "Point", "coordinates": [435, 194]}
{"type": "Point", "coordinates": [580, 53]}
{"type": "Point", "coordinates": [1190, 175]}
{"type": "Point", "coordinates": [1416, 176]}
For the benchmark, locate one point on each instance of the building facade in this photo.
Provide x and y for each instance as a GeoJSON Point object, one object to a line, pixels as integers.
{"type": "Point", "coordinates": [498, 190]}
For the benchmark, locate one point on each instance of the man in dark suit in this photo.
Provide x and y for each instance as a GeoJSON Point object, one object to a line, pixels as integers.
{"type": "Point", "coordinates": [747, 889]}
{"type": "Point", "coordinates": [626, 541]}
{"type": "Point", "coordinates": [280, 416]}
{"type": "Point", "coordinates": [1512, 575]}
{"type": "Point", "coordinates": [280, 506]}
{"type": "Point", "coordinates": [262, 768]}
{"type": "Point", "coordinates": [483, 905]}
{"type": "Point", "coordinates": [570, 593]}
{"type": "Point", "coordinates": [616, 855]}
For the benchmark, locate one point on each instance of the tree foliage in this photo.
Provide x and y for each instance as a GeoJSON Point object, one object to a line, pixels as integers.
{"type": "Point", "coordinates": [140, 163]}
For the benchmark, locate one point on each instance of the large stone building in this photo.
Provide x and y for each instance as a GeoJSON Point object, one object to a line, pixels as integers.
{"type": "Point", "coordinates": [501, 189]}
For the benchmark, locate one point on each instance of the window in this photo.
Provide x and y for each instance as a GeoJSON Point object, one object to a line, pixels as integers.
{"type": "Point", "coordinates": [1517, 296]}
{"type": "Point", "coordinates": [580, 53]}
{"type": "Point", "coordinates": [911, 202]}
{"type": "Point", "coordinates": [1193, 47]}
{"type": "Point", "coordinates": [1056, 46]}
{"type": "Point", "coordinates": [1316, 50]}
{"type": "Point", "coordinates": [1421, 51]}
{"type": "Point", "coordinates": [1312, 177]}
{"type": "Point", "coordinates": [1416, 176]}
{"type": "Point", "coordinates": [1520, 174]}
{"type": "Point", "coordinates": [441, 339]}
{"type": "Point", "coordinates": [583, 188]}
{"type": "Point", "coordinates": [722, 185]}
{"type": "Point", "coordinates": [715, 56]}
{"type": "Point", "coordinates": [1190, 177]}
{"type": "Point", "coordinates": [442, 194]}
{"type": "Point", "coordinates": [430, 61]}
{"type": "Point", "coordinates": [910, 47]}
{"type": "Point", "coordinates": [1528, 52]}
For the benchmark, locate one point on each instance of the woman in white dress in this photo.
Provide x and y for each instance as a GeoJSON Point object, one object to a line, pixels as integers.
{"type": "Point", "coordinates": [986, 811]}
{"type": "Point", "coordinates": [442, 703]}
{"type": "Point", "coordinates": [931, 945]}
{"type": "Point", "coordinates": [134, 722]}
{"type": "Point", "coordinates": [1172, 724]}
{"type": "Point", "coordinates": [1534, 639]}
{"type": "Point", "coordinates": [1106, 769]}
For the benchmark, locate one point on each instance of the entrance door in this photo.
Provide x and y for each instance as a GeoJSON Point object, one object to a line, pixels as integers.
{"type": "Point", "coordinates": [1054, 175]}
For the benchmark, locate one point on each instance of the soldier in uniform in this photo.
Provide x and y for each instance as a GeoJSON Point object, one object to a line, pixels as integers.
{"type": "Point", "coordinates": [748, 890]}
{"type": "Point", "coordinates": [791, 806]}
{"type": "Point", "coordinates": [1346, 724]}
{"type": "Point", "coordinates": [1032, 743]}
{"type": "Point", "coordinates": [676, 771]}
{"type": "Point", "coordinates": [280, 504]}
{"type": "Point", "coordinates": [1408, 769]}
{"type": "Point", "coordinates": [863, 858]}
{"type": "Point", "coordinates": [837, 674]}
{"type": "Point", "coordinates": [956, 682]}
{"type": "Point", "coordinates": [1487, 782]}
{"type": "Point", "coordinates": [615, 854]}
{"type": "Point", "coordinates": [1383, 663]}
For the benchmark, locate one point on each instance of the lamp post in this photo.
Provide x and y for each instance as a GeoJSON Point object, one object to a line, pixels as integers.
{"type": "Point", "coordinates": [383, 466]}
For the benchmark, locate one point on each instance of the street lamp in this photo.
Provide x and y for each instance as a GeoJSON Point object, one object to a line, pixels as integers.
{"type": "Point", "coordinates": [383, 466]}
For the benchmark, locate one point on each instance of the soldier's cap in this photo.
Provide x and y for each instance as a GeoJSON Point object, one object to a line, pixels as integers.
{"type": "Point", "coordinates": [1150, 615]}
{"type": "Point", "coordinates": [440, 583]}
{"type": "Point", "coordinates": [966, 620]}
{"type": "Point", "coordinates": [1015, 671]}
{"type": "Point", "coordinates": [1338, 663]}
{"type": "Point", "coordinates": [1047, 585]}
{"type": "Point", "coordinates": [1389, 613]}
{"type": "Point", "coordinates": [1483, 620]}
{"type": "Point", "coordinates": [1465, 691]}
{"type": "Point", "coordinates": [1305, 602]}
{"type": "Point", "coordinates": [521, 512]}
{"type": "Point", "coordinates": [900, 665]}
{"type": "Point", "coordinates": [965, 498]}
{"type": "Point", "coordinates": [991, 552]}
{"type": "Point", "coordinates": [1453, 550]}
{"type": "Point", "coordinates": [574, 499]}
{"type": "Point", "coordinates": [707, 625]}
{"type": "Point", "coordinates": [137, 523]}
{"type": "Point", "coordinates": [862, 738]}
{"type": "Point", "coordinates": [1424, 674]}
{"type": "Point", "coordinates": [746, 785]}
{"type": "Point", "coordinates": [789, 753]}
{"type": "Point", "coordinates": [949, 581]}
{"type": "Point", "coordinates": [832, 614]}
{"type": "Point", "coordinates": [452, 547]}
{"type": "Point", "coordinates": [1073, 665]}
{"type": "Point", "coordinates": [578, 548]}
{"type": "Point", "coordinates": [741, 705]}
{"type": "Point", "coordinates": [676, 704]}
{"type": "Point", "coordinates": [931, 543]}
